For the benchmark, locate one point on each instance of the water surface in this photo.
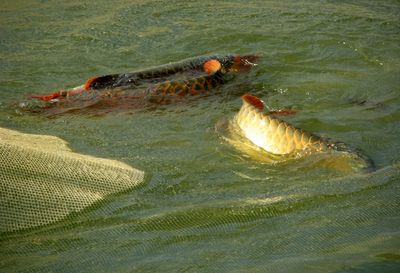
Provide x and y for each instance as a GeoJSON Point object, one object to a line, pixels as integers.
{"type": "Point", "coordinates": [205, 207]}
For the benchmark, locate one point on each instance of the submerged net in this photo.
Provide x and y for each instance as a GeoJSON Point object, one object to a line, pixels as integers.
{"type": "Point", "coordinates": [42, 180]}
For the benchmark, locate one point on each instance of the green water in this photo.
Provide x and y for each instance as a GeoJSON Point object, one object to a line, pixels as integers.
{"type": "Point", "coordinates": [205, 207]}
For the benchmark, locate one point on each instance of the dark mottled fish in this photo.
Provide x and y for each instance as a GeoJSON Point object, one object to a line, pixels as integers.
{"type": "Point", "coordinates": [230, 62]}
{"type": "Point", "coordinates": [162, 84]}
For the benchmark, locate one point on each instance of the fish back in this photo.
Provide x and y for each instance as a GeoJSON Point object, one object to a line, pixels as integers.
{"type": "Point", "coordinates": [274, 135]}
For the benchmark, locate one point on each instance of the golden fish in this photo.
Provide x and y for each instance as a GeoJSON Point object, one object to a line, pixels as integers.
{"type": "Point", "coordinates": [279, 138]}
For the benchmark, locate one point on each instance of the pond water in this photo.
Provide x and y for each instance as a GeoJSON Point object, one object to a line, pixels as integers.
{"type": "Point", "coordinates": [205, 206]}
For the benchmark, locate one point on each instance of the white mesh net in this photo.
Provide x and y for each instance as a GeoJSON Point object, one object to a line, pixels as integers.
{"type": "Point", "coordinates": [42, 180]}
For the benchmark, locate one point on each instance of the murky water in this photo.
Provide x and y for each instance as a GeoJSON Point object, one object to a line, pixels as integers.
{"type": "Point", "coordinates": [205, 206]}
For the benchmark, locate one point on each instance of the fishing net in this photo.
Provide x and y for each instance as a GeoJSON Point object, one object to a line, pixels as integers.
{"type": "Point", "coordinates": [42, 180]}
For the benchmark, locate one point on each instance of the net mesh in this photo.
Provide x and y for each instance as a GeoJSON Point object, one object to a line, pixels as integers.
{"type": "Point", "coordinates": [42, 180]}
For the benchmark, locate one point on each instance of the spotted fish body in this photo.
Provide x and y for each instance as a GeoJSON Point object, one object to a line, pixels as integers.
{"type": "Point", "coordinates": [191, 87]}
{"type": "Point", "coordinates": [280, 138]}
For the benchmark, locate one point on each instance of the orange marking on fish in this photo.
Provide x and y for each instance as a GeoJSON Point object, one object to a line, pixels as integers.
{"type": "Point", "coordinates": [89, 82]}
{"type": "Point", "coordinates": [48, 97]}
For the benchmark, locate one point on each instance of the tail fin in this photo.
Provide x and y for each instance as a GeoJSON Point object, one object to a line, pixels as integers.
{"type": "Point", "coordinates": [212, 66]}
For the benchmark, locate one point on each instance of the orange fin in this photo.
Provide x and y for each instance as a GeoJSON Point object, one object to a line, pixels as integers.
{"type": "Point", "coordinates": [89, 82]}
{"type": "Point", "coordinates": [212, 66]}
{"type": "Point", "coordinates": [253, 100]}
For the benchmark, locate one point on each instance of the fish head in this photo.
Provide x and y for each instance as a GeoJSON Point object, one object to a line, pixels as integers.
{"type": "Point", "coordinates": [240, 63]}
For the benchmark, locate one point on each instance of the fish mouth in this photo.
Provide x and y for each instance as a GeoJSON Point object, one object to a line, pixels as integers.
{"type": "Point", "coordinates": [241, 63]}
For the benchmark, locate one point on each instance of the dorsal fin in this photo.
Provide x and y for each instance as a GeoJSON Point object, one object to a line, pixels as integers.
{"type": "Point", "coordinates": [254, 101]}
{"type": "Point", "coordinates": [212, 66]}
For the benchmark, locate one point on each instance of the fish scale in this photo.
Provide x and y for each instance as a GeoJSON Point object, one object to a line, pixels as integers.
{"type": "Point", "coordinates": [280, 138]}
{"type": "Point", "coordinates": [274, 135]}
{"type": "Point", "coordinates": [194, 86]}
